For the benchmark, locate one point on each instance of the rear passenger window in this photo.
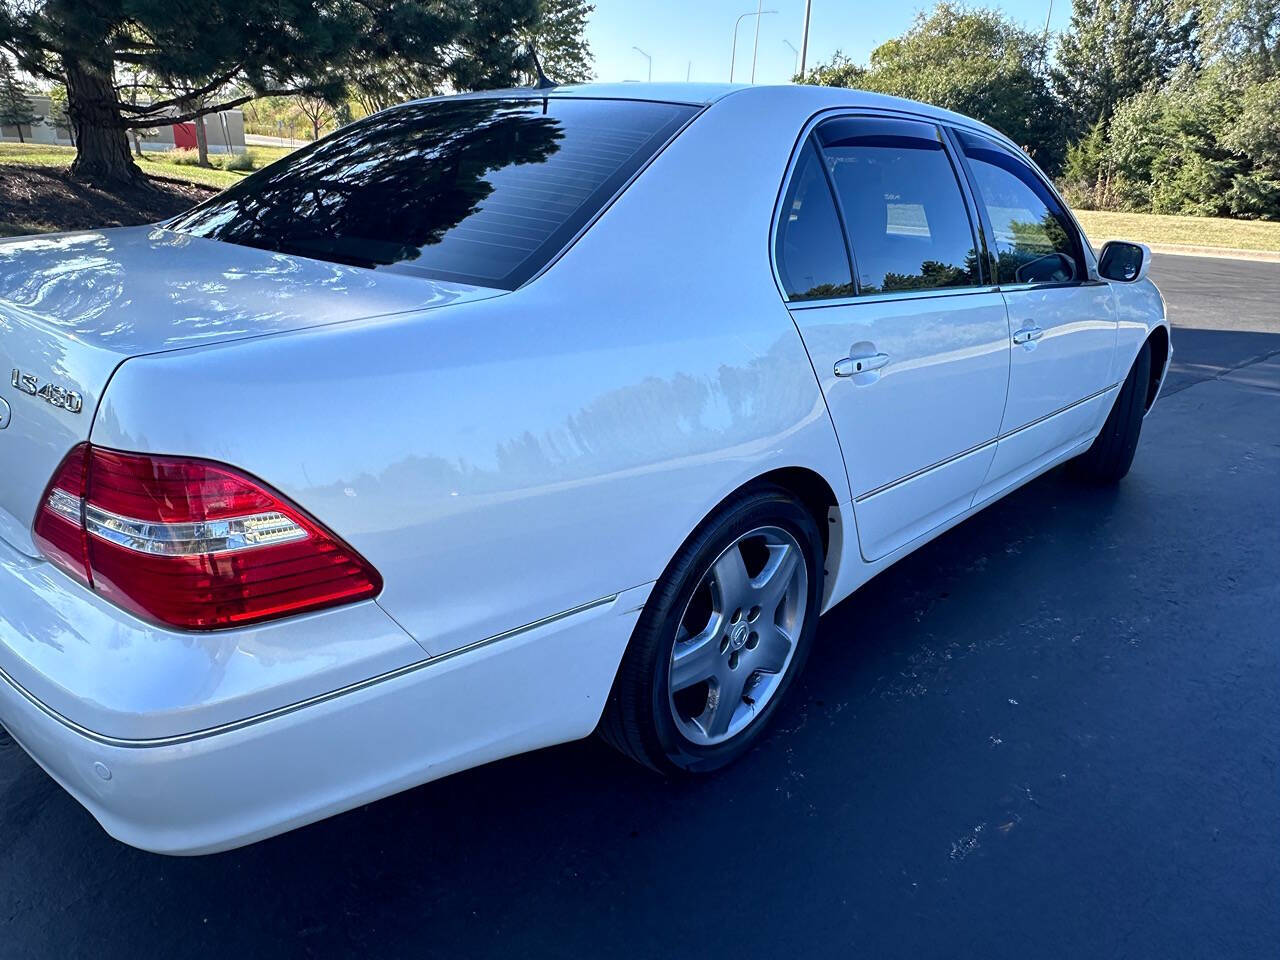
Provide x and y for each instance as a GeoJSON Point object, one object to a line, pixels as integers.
{"type": "Point", "coordinates": [813, 261]}
{"type": "Point", "coordinates": [908, 223]}
{"type": "Point", "coordinates": [1034, 240]}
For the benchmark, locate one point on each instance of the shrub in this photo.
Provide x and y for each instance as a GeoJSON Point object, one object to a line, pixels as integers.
{"type": "Point", "coordinates": [183, 157]}
{"type": "Point", "coordinates": [236, 161]}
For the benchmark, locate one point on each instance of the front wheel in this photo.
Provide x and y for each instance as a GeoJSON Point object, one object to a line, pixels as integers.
{"type": "Point", "coordinates": [723, 636]}
{"type": "Point", "coordinates": [1109, 458]}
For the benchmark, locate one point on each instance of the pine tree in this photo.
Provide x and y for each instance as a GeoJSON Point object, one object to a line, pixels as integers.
{"type": "Point", "coordinates": [15, 104]}
{"type": "Point", "coordinates": [220, 54]}
{"type": "Point", "coordinates": [1115, 49]}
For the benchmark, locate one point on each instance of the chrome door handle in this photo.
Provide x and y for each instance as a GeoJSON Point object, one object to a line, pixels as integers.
{"type": "Point", "coordinates": [850, 366]}
{"type": "Point", "coordinates": [1027, 334]}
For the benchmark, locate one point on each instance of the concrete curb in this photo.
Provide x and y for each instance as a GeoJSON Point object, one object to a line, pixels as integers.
{"type": "Point", "coordinates": [1219, 253]}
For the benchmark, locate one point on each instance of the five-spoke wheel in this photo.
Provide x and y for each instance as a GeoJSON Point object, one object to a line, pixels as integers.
{"type": "Point", "coordinates": [737, 635]}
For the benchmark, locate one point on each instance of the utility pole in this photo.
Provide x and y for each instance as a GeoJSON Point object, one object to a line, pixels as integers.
{"type": "Point", "coordinates": [804, 37]}
{"type": "Point", "coordinates": [688, 72]}
{"type": "Point", "coordinates": [647, 57]}
{"type": "Point", "coordinates": [736, 24]}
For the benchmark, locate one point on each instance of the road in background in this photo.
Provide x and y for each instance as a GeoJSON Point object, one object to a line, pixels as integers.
{"type": "Point", "coordinates": [1052, 732]}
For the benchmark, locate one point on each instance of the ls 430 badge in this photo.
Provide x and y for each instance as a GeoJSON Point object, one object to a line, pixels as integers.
{"type": "Point", "coordinates": [51, 393]}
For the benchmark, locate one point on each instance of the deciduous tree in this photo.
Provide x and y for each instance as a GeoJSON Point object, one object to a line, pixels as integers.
{"type": "Point", "coordinates": [975, 61]}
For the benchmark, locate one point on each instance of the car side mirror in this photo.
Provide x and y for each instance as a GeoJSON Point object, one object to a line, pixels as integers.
{"type": "Point", "coordinates": [1124, 262]}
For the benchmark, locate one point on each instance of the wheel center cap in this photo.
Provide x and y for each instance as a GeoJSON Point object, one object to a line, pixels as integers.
{"type": "Point", "coordinates": [738, 635]}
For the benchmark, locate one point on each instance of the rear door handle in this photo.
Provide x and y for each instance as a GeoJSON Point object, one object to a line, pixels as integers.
{"type": "Point", "coordinates": [851, 366]}
{"type": "Point", "coordinates": [1027, 334]}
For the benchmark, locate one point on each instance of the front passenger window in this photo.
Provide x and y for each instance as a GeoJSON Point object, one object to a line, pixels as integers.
{"type": "Point", "coordinates": [1033, 237]}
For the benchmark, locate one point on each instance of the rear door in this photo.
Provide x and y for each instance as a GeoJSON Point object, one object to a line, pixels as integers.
{"type": "Point", "coordinates": [877, 253]}
{"type": "Point", "coordinates": [1063, 321]}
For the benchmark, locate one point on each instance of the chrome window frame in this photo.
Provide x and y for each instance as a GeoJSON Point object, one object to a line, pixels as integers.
{"type": "Point", "coordinates": [971, 208]}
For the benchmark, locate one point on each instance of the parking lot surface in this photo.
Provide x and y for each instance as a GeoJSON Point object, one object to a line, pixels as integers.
{"type": "Point", "coordinates": [1050, 733]}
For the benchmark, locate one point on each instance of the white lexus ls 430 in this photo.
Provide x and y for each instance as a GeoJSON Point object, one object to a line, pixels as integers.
{"type": "Point", "coordinates": [491, 421]}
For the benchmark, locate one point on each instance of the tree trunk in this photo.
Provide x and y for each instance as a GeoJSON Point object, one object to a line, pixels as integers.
{"type": "Point", "coordinates": [202, 142]}
{"type": "Point", "coordinates": [102, 149]}
{"type": "Point", "coordinates": [19, 129]}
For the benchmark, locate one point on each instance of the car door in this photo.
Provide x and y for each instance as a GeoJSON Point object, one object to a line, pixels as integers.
{"type": "Point", "coordinates": [1063, 320]}
{"type": "Point", "coordinates": [877, 254]}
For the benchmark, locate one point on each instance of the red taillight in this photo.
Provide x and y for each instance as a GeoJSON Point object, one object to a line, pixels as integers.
{"type": "Point", "coordinates": [192, 544]}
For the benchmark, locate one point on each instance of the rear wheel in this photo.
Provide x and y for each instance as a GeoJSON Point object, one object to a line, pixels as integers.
{"type": "Point", "coordinates": [1109, 458]}
{"type": "Point", "coordinates": [722, 638]}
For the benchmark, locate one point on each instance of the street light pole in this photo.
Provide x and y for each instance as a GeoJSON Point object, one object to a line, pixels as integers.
{"type": "Point", "coordinates": [792, 47]}
{"type": "Point", "coordinates": [804, 38]}
{"type": "Point", "coordinates": [755, 49]}
{"type": "Point", "coordinates": [647, 57]}
{"type": "Point", "coordinates": [736, 24]}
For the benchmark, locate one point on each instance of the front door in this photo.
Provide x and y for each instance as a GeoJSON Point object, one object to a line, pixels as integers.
{"type": "Point", "coordinates": [911, 347]}
{"type": "Point", "coordinates": [1063, 322]}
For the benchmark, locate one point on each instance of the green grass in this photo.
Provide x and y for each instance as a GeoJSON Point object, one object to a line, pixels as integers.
{"type": "Point", "coordinates": [1189, 231]}
{"type": "Point", "coordinates": [152, 163]}
{"type": "Point", "coordinates": [22, 228]}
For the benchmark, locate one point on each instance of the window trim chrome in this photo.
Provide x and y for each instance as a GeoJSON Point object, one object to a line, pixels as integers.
{"type": "Point", "coordinates": [892, 296]}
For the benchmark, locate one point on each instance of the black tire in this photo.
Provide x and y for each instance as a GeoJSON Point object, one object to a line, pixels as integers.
{"type": "Point", "coordinates": [1109, 458]}
{"type": "Point", "coordinates": [638, 719]}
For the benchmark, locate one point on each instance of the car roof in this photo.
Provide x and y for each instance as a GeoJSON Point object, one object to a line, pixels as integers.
{"type": "Point", "coordinates": [806, 98]}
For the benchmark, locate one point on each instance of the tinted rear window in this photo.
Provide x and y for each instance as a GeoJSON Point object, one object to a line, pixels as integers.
{"type": "Point", "coordinates": [475, 191]}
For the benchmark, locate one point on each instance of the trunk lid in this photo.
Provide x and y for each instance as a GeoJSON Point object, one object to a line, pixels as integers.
{"type": "Point", "coordinates": [75, 306]}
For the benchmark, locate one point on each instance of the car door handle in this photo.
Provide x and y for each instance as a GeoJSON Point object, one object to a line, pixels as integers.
{"type": "Point", "coordinates": [851, 366]}
{"type": "Point", "coordinates": [1027, 334]}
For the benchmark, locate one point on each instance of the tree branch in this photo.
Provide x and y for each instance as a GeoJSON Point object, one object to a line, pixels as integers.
{"type": "Point", "coordinates": [186, 96]}
{"type": "Point", "coordinates": [141, 123]}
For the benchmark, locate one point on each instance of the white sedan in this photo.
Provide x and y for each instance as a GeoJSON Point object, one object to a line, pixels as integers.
{"type": "Point", "coordinates": [491, 421]}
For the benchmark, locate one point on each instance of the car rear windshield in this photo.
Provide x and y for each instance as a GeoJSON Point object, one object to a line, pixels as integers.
{"type": "Point", "coordinates": [483, 191]}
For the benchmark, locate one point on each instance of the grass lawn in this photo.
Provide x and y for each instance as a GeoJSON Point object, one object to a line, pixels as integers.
{"type": "Point", "coordinates": [152, 163]}
{"type": "Point", "coordinates": [1194, 231]}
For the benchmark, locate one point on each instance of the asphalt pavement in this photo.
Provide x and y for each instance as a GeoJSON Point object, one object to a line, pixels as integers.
{"type": "Point", "coordinates": [1050, 733]}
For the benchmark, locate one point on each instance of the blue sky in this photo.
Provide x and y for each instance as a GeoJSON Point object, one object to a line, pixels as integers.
{"type": "Point", "coordinates": [677, 32]}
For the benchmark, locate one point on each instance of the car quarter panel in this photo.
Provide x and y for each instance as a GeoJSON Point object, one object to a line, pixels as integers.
{"type": "Point", "coordinates": [504, 460]}
{"type": "Point", "coordinates": [104, 670]}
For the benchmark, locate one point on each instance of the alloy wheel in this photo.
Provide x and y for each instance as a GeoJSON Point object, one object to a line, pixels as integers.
{"type": "Point", "coordinates": [737, 635]}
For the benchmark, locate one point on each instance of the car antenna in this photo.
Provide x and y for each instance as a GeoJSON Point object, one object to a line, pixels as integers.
{"type": "Point", "coordinates": [543, 82]}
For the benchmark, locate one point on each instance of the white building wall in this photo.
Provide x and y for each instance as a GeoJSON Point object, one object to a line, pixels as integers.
{"type": "Point", "coordinates": [160, 138]}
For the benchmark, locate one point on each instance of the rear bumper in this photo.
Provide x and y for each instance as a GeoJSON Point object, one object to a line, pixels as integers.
{"type": "Point", "coordinates": [224, 787]}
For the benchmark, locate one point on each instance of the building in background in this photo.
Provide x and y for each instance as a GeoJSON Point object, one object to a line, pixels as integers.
{"type": "Point", "coordinates": [225, 131]}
